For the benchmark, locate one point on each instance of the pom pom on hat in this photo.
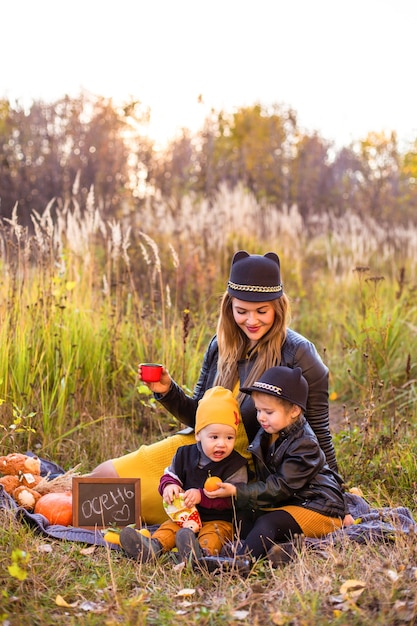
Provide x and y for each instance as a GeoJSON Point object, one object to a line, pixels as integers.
{"type": "Point", "coordinates": [217, 406]}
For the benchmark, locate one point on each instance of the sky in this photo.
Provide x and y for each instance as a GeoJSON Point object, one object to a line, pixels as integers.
{"type": "Point", "coordinates": [346, 67]}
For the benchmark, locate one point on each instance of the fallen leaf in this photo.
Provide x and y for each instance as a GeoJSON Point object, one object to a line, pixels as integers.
{"type": "Point", "coordinates": [139, 598]}
{"type": "Point", "coordinates": [95, 607]}
{"type": "Point", "coordinates": [59, 601]}
{"type": "Point", "coordinates": [45, 547]}
{"type": "Point", "coordinates": [278, 618]}
{"type": "Point", "coordinates": [336, 599]}
{"type": "Point", "coordinates": [88, 551]}
{"type": "Point", "coordinates": [179, 566]}
{"type": "Point", "coordinates": [392, 575]}
{"type": "Point", "coordinates": [352, 588]}
{"type": "Point", "coordinates": [186, 604]}
{"type": "Point", "coordinates": [17, 572]}
{"type": "Point", "coordinates": [240, 614]}
{"type": "Point", "coordinates": [186, 592]}
{"type": "Point", "coordinates": [404, 611]}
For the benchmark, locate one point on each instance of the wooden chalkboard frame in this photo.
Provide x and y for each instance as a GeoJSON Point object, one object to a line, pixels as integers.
{"type": "Point", "coordinates": [119, 493]}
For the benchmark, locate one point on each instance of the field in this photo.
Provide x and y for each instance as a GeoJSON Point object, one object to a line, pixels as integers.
{"type": "Point", "coordinates": [83, 301]}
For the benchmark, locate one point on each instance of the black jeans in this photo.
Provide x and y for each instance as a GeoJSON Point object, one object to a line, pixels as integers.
{"type": "Point", "coordinates": [266, 530]}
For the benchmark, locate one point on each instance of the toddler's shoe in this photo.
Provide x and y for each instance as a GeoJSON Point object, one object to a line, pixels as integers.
{"type": "Point", "coordinates": [138, 546]}
{"type": "Point", "coordinates": [187, 545]}
{"type": "Point", "coordinates": [235, 548]}
{"type": "Point", "coordinates": [283, 553]}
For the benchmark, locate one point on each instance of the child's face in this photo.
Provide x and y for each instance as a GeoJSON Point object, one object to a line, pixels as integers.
{"type": "Point", "coordinates": [272, 414]}
{"type": "Point", "coordinates": [217, 441]}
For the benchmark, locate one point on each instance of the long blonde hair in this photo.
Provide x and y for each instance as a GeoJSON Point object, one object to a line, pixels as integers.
{"type": "Point", "coordinates": [234, 344]}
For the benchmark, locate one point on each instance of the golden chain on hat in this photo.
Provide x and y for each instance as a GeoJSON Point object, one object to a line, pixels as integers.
{"type": "Point", "coordinates": [260, 288]}
{"type": "Point", "coordinates": [274, 388]}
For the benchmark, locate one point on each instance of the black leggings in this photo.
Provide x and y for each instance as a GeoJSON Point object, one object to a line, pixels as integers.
{"type": "Point", "coordinates": [269, 529]}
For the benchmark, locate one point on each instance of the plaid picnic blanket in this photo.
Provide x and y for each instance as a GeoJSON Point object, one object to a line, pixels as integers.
{"type": "Point", "coordinates": [372, 524]}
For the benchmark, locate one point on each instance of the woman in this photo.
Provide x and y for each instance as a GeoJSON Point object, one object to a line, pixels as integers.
{"type": "Point", "coordinates": [252, 336]}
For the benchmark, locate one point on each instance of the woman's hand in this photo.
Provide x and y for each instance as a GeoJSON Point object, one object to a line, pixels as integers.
{"type": "Point", "coordinates": [348, 520]}
{"type": "Point", "coordinates": [225, 490]}
{"type": "Point", "coordinates": [162, 386]}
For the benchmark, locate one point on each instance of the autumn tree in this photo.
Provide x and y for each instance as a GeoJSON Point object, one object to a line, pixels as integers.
{"type": "Point", "coordinates": [310, 175]}
{"type": "Point", "coordinates": [253, 146]}
{"type": "Point", "coordinates": [64, 149]}
{"type": "Point", "coordinates": [378, 192]}
{"type": "Point", "coordinates": [346, 173]}
{"type": "Point", "coordinates": [408, 183]}
{"type": "Point", "coordinates": [173, 169]}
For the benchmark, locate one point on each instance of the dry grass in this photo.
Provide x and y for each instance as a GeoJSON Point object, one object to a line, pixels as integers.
{"type": "Point", "coordinates": [71, 584]}
{"type": "Point", "coordinates": [59, 483]}
{"type": "Point", "coordinates": [84, 300]}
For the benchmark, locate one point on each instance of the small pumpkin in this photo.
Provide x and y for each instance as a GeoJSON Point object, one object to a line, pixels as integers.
{"type": "Point", "coordinates": [56, 507]}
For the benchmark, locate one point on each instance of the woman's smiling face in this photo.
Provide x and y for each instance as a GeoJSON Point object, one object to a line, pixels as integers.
{"type": "Point", "coordinates": [254, 318]}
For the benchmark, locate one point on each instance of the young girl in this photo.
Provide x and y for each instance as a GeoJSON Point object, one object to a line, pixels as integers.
{"type": "Point", "coordinates": [295, 490]}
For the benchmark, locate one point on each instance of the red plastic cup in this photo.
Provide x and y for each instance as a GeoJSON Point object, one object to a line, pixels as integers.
{"type": "Point", "coordinates": [151, 372]}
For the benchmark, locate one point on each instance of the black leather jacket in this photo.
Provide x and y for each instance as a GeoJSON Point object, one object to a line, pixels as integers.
{"type": "Point", "coordinates": [291, 471]}
{"type": "Point", "coordinates": [297, 351]}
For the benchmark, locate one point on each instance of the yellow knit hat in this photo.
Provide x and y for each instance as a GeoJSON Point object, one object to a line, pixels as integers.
{"type": "Point", "coordinates": [217, 406]}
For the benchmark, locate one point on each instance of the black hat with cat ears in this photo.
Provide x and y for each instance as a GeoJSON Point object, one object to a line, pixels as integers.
{"type": "Point", "coordinates": [282, 382]}
{"type": "Point", "coordinates": [255, 278]}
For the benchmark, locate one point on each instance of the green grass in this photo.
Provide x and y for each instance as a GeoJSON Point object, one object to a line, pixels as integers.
{"type": "Point", "coordinates": [72, 584]}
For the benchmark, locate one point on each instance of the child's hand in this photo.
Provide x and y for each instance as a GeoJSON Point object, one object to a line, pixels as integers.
{"type": "Point", "coordinates": [192, 497]}
{"type": "Point", "coordinates": [225, 490]}
{"type": "Point", "coordinates": [171, 492]}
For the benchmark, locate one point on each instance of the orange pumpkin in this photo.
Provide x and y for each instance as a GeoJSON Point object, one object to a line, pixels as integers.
{"type": "Point", "coordinates": [56, 507]}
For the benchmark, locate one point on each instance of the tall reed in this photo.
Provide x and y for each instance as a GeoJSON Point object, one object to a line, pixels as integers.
{"type": "Point", "coordinates": [83, 301]}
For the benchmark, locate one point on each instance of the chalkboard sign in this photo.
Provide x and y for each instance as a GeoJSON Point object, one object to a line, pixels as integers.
{"type": "Point", "coordinates": [101, 502]}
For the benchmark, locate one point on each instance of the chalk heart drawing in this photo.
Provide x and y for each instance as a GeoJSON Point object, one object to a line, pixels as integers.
{"type": "Point", "coordinates": [122, 515]}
